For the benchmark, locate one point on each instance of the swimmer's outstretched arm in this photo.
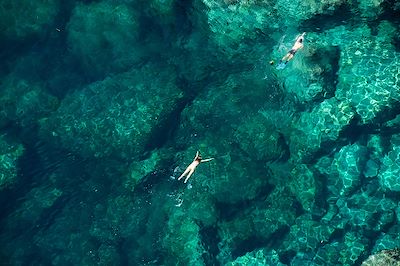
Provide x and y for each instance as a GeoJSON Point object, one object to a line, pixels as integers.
{"type": "Point", "coordinates": [207, 160]}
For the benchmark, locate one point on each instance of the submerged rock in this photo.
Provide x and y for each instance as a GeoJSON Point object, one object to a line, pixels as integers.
{"type": "Point", "coordinates": [303, 185]}
{"type": "Point", "coordinates": [183, 241]}
{"type": "Point", "coordinates": [364, 211]}
{"type": "Point", "coordinates": [353, 248]}
{"type": "Point", "coordinates": [317, 129]}
{"type": "Point", "coordinates": [369, 77]}
{"type": "Point", "coordinates": [388, 240]}
{"type": "Point", "coordinates": [349, 164]}
{"type": "Point", "coordinates": [307, 235]}
{"type": "Point", "coordinates": [259, 139]}
{"type": "Point", "coordinates": [118, 116]}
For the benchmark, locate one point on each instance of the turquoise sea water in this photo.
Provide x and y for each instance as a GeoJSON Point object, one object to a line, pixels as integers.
{"type": "Point", "coordinates": [105, 103]}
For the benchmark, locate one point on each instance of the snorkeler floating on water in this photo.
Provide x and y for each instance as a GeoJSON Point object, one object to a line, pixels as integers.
{"type": "Point", "coordinates": [192, 167]}
{"type": "Point", "coordinates": [289, 56]}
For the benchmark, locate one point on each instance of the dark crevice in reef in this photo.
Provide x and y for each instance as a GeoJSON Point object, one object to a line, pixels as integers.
{"type": "Point", "coordinates": [321, 205]}
{"type": "Point", "coordinates": [36, 256]}
{"type": "Point", "coordinates": [10, 52]}
{"type": "Point", "coordinates": [356, 131]}
{"type": "Point", "coordinates": [373, 237]}
{"type": "Point", "coordinates": [282, 142]}
{"type": "Point", "coordinates": [287, 256]}
{"type": "Point", "coordinates": [248, 245]}
{"type": "Point", "coordinates": [165, 130]}
{"type": "Point", "coordinates": [394, 195]}
{"type": "Point", "coordinates": [10, 197]}
{"type": "Point", "coordinates": [257, 242]}
{"type": "Point", "coordinates": [352, 132]}
{"type": "Point", "coordinates": [64, 14]}
{"type": "Point", "coordinates": [27, 175]}
{"type": "Point", "coordinates": [183, 22]}
{"type": "Point", "coordinates": [326, 61]}
{"type": "Point", "coordinates": [388, 115]}
{"type": "Point", "coordinates": [35, 166]}
{"type": "Point", "coordinates": [122, 252]}
{"type": "Point", "coordinates": [396, 41]}
{"type": "Point", "coordinates": [331, 75]}
{"type": "Point", "coordinates": [337, 235]}
{"type": "Point", "coordinates": [163, 34]}
{"type": "Point", "coordinates": [298, 207]}
{"type": "Point", "coordinates": [326, 149]}
{"type": "Point", "coordinates": [229, 211]}
{"type": "Point", "coordinates": [210, 240]}
{"type": "Point", "coordinates": [390, 13]}
{"type": "Point", "coordinates": [48, 216]}
{"type": "Point", "coordinates": [183, 27]}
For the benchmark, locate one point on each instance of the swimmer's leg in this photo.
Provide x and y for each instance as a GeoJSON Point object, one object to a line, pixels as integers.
{"type": "Point", "coordinates": [184, 173]}
{"type": "Point", "coordinates": [189, 175]}
{"type": "Point", "coordinates": [281, 65]}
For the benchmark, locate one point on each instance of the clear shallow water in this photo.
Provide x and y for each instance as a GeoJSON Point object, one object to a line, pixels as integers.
{"type": "Point", "coordinates": [106, 103]}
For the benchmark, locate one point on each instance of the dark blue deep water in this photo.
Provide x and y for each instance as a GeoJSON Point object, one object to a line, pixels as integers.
{"type": "Point", "coordinates": [104, 104]}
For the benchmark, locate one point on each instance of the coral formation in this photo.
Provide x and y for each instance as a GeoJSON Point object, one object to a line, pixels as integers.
{"type": "Point", "coordinates": [388, 257]}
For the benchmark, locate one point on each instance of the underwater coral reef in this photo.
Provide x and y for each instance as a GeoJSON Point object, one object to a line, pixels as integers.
{"type": "Point", "coordinates": [105, 103]}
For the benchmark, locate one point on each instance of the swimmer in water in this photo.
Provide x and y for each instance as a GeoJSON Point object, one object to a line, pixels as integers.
{"type": "Point", "coordinates": [289, 56]}
{"type": "Point", "coordinates": [192, 167]}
